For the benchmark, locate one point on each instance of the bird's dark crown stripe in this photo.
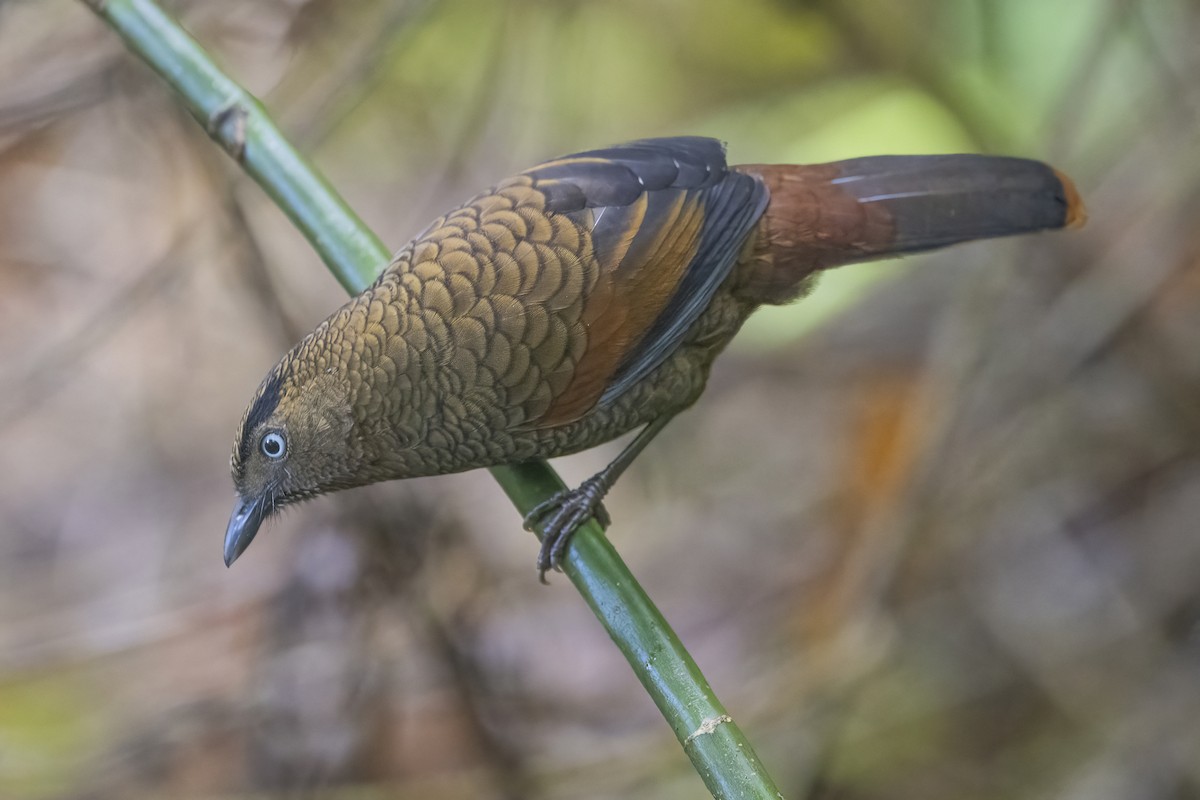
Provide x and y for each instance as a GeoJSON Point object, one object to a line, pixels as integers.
{"type": "Point", "coordinates": [264, 406]}
{"type": "Point", "coordinates": [266, 403]}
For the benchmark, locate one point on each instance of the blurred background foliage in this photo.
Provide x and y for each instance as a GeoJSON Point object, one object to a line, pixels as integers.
{"type": "Point", "coordinates": [931, 533]}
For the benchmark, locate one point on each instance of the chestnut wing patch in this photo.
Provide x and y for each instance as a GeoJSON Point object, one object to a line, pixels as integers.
{"type": "Point", "coordinates": [667, 220]}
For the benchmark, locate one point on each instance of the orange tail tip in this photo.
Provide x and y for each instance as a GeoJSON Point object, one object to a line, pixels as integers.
{"type": "Point", "coordinates": [1076, 212]}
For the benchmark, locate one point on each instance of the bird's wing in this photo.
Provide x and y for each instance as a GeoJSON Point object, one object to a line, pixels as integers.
{"type": "Point", "coordinates": [664, 222]}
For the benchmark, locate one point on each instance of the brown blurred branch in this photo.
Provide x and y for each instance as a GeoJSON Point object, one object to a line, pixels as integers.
{"type": "Point", "coordinates": [39, 105]}
{"type": "Point", "coordinates": [50, 369]}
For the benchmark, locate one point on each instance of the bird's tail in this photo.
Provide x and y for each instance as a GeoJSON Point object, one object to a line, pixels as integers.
{"type": "Point", "coordinates": [825, 215]}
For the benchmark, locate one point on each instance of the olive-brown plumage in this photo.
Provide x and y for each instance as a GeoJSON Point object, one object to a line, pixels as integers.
{"type": "Point", "coordinates": [585, 298]}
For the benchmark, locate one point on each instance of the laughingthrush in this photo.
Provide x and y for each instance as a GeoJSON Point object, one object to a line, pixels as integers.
{"type": "Point", "coordinates": [585, 298]}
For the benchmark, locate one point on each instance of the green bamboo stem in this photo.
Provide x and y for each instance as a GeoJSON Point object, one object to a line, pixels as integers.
{"type": "Point", "coordinates": [719, 750]}
{"type": "Point", "coordinates": [235, 119]}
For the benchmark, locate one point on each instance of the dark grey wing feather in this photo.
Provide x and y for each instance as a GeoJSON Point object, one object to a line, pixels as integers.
{"type": "Point", "coordinates": [639, 199]}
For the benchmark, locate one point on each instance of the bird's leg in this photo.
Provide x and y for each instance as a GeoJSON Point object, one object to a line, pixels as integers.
{"type": "Point", "coordinates": [562, 514]}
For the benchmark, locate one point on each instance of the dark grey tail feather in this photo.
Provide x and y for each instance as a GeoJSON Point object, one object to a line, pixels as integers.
{"type": "Point", "coordinates": [936, 201]}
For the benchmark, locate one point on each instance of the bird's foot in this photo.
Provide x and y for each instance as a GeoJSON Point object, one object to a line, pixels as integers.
{"type": "Point", "coordinates": [560, 516]}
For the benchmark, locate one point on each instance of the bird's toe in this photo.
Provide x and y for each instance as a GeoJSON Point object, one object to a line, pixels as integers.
{"type": "Point", "coordinates": [559, 517]}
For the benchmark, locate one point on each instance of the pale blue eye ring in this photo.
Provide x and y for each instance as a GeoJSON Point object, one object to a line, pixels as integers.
{"type": "Point", "coordinates": [273, 445]}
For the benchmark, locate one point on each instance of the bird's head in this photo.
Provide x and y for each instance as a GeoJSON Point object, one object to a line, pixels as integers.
{"type": "Point", "coordinates": [295, 441]}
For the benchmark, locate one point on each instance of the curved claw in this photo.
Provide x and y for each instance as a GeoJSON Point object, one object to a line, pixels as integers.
{"type": "Point", "coordinates": [560, 516]}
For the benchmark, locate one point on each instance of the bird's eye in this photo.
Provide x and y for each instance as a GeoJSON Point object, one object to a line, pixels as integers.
{"type": "Point", "coordinates": [273, 445]}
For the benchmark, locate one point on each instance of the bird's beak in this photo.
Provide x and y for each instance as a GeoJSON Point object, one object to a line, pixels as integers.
{"type": "Point", "coordinates": [247, 516]}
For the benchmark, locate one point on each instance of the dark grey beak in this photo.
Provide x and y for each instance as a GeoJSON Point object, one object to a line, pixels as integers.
{"type": "Point", "coordinates": [247, 516]}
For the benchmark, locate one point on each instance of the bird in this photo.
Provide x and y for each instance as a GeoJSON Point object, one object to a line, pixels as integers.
{"type": "Point", "coordinates": [586, 298]}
